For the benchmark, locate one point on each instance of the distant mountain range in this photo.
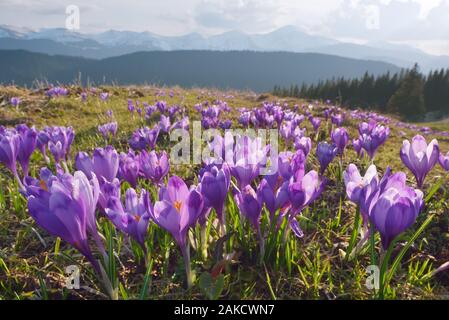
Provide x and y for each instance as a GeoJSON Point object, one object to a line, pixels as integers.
{"type": "Point", "coordinates": [289, 39]}
{"type": "Point", "coordinates": [258, 71]}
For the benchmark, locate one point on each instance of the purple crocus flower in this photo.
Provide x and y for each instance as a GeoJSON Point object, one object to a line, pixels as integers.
{"type": "Point", "coordinates": [104, 163]}
{"type": "Point", "coordinates": [304, 144]}
{"type": "Point", "coordinates": [214, 188]}
{"type": "Point", "coordinates": [104, 96]}
{"type": "Point", "coordinates": [143, 138]}
{"type": "Point", "coordinates": [303, 190]}
{"type": "Point", "coordinates": [355, 182]}
{"type": "Point", "coordinates": [326, 114]}
{"type": "Point", "coordinates": [340, 138]}
{"type": "Point", "coordinates": [177, 210]}
{"type": "Point", "coordinates": [298, 133]}
{"type": "Point", "coordinates": [325, 153]}
{"type": "Point", "coordinates": [273, 193]}
{"type": "Point", "coordinates": [182, 124]}
{"type": "Point", "coordinates": [9, 149]}
{"type": "Point", "coordinates": [298, 119]}
{"type": "Point", "coordinates": [164, 123]}
{"type": "Point", "coordinates": [337, 119]}
{"type": "Point", "coordinates": [278, 116]}
{"type": "Point", "coordinates": [250, 206]}
{"type": "Point", "coordinates": [64, 205]}
{"type": "Point", "coordinates": [161, 106]}
{"type": "Point", "coordinates": [419, 157]}
{"type": "Point", "coordinates": [61, 139]}
{"type": "Point", "coordinates": [132, 218]}
{"type": "Point", "coordinates": [15, 101]}
{"type": "Point", "coordinates": [131, 107]}
{"type": "Point", "coordinates": [56, 92]}
{"type": "Point", "coordinates": [359, 189]}
{"type": "Point", "coordinates": [83, 96]}
{"type": "Point", "coordinates": [173, 110]}
{"type": "Point", "coordinates": [129, 167]}
{"type": "Point", "coordinates": [28, 138]}
{"type": "Point", "coordinates": [357, 145]}
{"type": "Point", "coordinates": [316, 122]}
{"type": "Point", "coordinates": [367, 128]}
{"type": "Point", "coordinates": [444, 161]}
{"type": "Point", "coordinates": [244, 119]}
{"type": "Point", "coordinates": [373, 140]}
{"type": "Point", "coordinates": [43, 137]}
{"type": "Point", "coordinates": [290, 163]}
{"type": "Point", "coordinates": [395, 208]}
{"type": "Point", "coordinates": [108, 130]}
{"type": "Point", "coordinates": [227, 124]}
{"type": "Point", "coordinates": [286, 130]}
{"type": "Point", "coordinates": [153, 166]}
{"type": "Point", "coordinates": [107, 191]}
{"type": "Point", "coordinates": [248, 155]}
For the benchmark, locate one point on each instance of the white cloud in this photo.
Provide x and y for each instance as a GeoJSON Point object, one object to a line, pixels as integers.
{"type": "Point", "coordinates": [417, 21]}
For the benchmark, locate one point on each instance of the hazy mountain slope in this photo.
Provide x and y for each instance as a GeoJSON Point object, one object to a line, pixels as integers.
{"type": "Point", "coordinates": [85, 48]}
{"type": "Point", "coordinates": [290, 39]}
{"type": "Point", "coordinates": [258, 71]}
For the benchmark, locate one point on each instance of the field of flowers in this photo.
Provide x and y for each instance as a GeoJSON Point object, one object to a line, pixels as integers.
{"type": "Point", "coordinates": [357, 207]}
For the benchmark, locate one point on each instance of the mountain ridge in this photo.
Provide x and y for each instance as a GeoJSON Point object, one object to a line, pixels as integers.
{"type": "Point", "coordinates": [288, 38]}
{"type": "Point", "coordinates": [258, 71]}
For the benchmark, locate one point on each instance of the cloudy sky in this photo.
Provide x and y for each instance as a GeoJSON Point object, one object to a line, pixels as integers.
{"type": "Point", "coordinates": [422, 23]}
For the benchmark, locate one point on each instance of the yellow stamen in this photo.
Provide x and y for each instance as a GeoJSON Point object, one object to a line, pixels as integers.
{"type": "Point", "coordinates": [178, 206]}
{"type": "Point", "coordinates": [43, 185]}
{"type": "Point", "coordinates": [136, 217]}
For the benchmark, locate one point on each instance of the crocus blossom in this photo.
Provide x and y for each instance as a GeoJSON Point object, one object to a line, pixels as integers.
{"type": "Point", "coordinates": [303, 190]}
{"type": "Point", "coordinates": [250, 206]}
{"type": "Point", "coordinates": [214, 187]}
{"type": "Point", "coordinates": [420, 157]}
{"type": "Point", "coordinates": [177, 210]}
{"type": "Point", "coordinates": [357, 145]}
{"type": "Point", "coordinates": [325, 153]}
{"type": "Point", "coordinates": [340, 138]}
{"type": "Point", "coordinates": [61, 139]}
{"type": "Point", "coordinates": [374, 139]}
{"type": "Point", "coordinates": [15, 101]}
{"type": "Point", "coordinates": [394, 208]}
{"type": "Point", "coordinates": [359, 189]}
{"type": "Point", "coordinates": [64, 205]}
{"type": "Point", "coordinates": [133, 217]}
{"type": "Point", "coordinates": [444, 161]}
{"type": "Point", "coordinates": [154, 166]}
{"type": "Point", "coordinates": [28, 138]}
{"type": "Point", "coordinates": [108, 130]}
{"type": "Point", "coordinates": [248, 154]}
{"type": "Point", "coordinates": [129, 167]}
{"type": "Point", "coordinates": [104, 163]}
{"type": "Point", "coordinates": [144, 138]}
{"type": "Point", "coordinates": [9, 148]}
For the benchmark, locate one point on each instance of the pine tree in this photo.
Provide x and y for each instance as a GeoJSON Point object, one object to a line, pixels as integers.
{"type": "Point", "coordinates": [408, 100]}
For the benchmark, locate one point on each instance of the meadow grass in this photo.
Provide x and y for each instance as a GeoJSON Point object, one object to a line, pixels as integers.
{"type": "Point", "coordinates": [32, 263]}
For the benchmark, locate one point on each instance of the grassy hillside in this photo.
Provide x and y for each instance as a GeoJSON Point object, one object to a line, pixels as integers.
{"type": "Point", "coordinates": [32, 262]}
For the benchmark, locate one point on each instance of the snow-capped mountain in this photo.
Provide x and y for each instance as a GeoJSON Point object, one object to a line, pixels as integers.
{"type": "Point", "coordinates": [58, 34]}
{"type": "Point", "coordinates": [291, 39]}
{"type": "Point", "coordinates": [13, 32]}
